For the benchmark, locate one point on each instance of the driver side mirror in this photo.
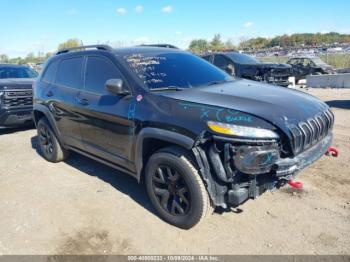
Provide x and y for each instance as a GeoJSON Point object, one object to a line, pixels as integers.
{"type": "Point", "coordinates": [117, 87]}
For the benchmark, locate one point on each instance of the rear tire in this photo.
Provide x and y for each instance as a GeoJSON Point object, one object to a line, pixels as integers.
{"type": "Point", "coordinates": [176, 190]}
{"type": "Point", "coordinates": [49, 146]}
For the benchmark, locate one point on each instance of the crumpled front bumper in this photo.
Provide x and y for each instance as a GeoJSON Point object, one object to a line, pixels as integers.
{"type": "Point", "coordinates": [291, 166]}
{"type": "Point", "coordinates": [284, 170]}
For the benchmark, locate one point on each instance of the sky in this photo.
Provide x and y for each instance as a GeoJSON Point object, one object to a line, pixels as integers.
{"type": "Point", "coordinates": [40, 25]}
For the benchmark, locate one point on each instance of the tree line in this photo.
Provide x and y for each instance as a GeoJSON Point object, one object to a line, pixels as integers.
{"type": "Point", "coordinates": [40, 56]}
{"type": "Point", "coordinates": [216, 44]}
{"type": "Point", "coordinates": [284, 41]}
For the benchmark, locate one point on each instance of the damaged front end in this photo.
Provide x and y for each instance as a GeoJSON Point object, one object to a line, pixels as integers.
{"type": "Point", "coordinates": [236, 169]}
{"type": "Point", "coordinates": [274, 74]}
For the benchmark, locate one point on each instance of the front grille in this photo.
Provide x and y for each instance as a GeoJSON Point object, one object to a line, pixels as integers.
{"type": "Point", "coordinates": [17, 98]}
{"type": "Point", "coordinates": [308, 133]}
{"type": "Point", "coordinates": [280, 72]}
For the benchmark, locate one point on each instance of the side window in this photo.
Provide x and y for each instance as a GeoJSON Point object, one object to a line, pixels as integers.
{"type": "Point", "coordinates": [98, 71]}
{"type": "Point", "coordinates": [306, 62]}
{"type": "Point", "coordinates": [50, 72]}
{"type": "Point", "coordinates": [221, 61]}
{"type": "Point", "coordinates": [69, 72]}
{"type": "Point", "coordinates": [207, 57]}
{"type": "Point", "coordinates": [292, 61]}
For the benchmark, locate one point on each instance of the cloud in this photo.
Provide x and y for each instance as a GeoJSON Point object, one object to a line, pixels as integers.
{"type": "Point", "coordinates": [139, 9]}
{"type": "Point", "coordinates": [121, 11]}
{"type": "Point", "coordinates": [248, 24]}
{"type": "Point", "coordinates": [167, 9]}
{"type": "Point", "coordinates": [141, 40]}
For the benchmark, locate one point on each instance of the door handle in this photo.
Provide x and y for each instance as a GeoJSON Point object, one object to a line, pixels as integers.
{"type": "Point", "coordinates": [83, 101]}
{"type": "Point", "coordinates": [49, 94]}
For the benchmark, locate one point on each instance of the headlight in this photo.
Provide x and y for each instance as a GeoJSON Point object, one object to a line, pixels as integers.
{"type": "Point", "coordinates": [241, 131]}
{"type": "Point", "coordinates": [256, 159]}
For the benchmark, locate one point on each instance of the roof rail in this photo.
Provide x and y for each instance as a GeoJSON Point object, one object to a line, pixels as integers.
{"type": "Point", "coordinates": [98, 47]}
{"type": "Point", "coordinates": [161, 45]}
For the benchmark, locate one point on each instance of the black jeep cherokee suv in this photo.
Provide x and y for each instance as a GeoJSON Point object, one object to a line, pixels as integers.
{"type": "Point", "coordinates": [198, 137]}
{"type": "Point", "coordinates": [16, 95]}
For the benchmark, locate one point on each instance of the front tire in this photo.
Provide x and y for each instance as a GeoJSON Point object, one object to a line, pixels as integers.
{"type": "Point", "coordinates": [176, 190]}
{"type": "Point", "coordinates": [49, 147]}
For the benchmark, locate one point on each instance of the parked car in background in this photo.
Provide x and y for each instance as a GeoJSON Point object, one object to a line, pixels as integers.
{"type": "Point", "coordinates": [198, 137]}
{"type": "Point", "coordinates": [248, 67]}
{"type": "Point", "coordinates": [16, 95]}
{"type": "Point", "coordinates": [303, 66]}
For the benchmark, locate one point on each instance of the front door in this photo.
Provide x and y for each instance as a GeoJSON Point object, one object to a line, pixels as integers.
{"type": "Point", "coordinates": [106, 124]}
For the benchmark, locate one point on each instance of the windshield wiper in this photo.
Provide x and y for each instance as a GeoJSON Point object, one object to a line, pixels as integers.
{"type": "Point", "coordinates": [167, 88]}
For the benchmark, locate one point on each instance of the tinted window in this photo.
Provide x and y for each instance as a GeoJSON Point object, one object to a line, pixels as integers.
{"type": "Point", "coordinates": [306, 62]}
{"type": "Point", "coordinates": [221, 61]}
{"type": "Point", "coordinates": [207, 57]}
{"type": "Point", "coordinates": [98, 71]}
{"type": "Point", "coordinates": [50, 72]}
{"type": "Point", "coordinates": [292, 61]}
{"type": "Point", "coordinates": [243, 59]}
{"type": "Point", "coordinates": [17, 72]}
{"type": "Point", "coordinates": [174, 69]}
{"type": "Point", "coordinates": [69, 72]}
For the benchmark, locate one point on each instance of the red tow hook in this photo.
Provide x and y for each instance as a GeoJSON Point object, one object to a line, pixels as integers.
{"type": "Point", "coordinates": [332, 151]}
{"type": "Point", "coordinates": [295, 184]}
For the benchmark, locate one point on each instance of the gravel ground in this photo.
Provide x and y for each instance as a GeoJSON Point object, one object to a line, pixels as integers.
{"type": "Point", "coordinates": [83, 207]}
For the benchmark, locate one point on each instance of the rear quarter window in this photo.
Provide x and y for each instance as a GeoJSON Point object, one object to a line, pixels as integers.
{"type": "Point", "coordinates": [69, 72]}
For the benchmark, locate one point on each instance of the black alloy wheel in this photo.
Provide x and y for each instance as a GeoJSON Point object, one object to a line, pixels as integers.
{"type": "Point", "coordinates": [171, 190]}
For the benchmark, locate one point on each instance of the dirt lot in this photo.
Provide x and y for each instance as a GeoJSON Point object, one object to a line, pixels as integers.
{"type": "Point", "coordinates": [83, 207]}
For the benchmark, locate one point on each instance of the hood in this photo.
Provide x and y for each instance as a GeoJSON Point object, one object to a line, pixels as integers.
{"type": "Point", "coordinates": [279, 106]}
{"type": "Point", "coordinates": [17, 83]}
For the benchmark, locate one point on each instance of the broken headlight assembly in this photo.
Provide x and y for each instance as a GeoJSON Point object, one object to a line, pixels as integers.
{"type": "Point", "coordinates": [255, 160]}
{"type": "Point", "coordinates": [250, 159]}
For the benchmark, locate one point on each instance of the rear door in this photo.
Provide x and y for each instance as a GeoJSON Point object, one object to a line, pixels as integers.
{"type": "Point", "coordinates": [106, 127]}
{"type": "Point", "coordinates": [62, 96]}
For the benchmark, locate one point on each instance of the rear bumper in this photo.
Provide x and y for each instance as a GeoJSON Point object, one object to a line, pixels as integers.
{"type": "Point", "coordinates": [283, 171]}
{"type": "Point", "coordinates": [15, 117]}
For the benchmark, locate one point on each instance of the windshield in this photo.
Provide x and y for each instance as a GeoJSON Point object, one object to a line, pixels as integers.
{"type": "Point", "coordinates": [318, 61]}
{"type": "Point", "coordinates": [17, 72]}
{"type": "Point", "coordinates": [243, 59]}
{"type": "Point", "coordinates": [173, 69]}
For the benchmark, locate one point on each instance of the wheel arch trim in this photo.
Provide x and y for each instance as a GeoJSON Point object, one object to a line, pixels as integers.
{"type": "Point", "coordinates": [44, 110]}
{"type": "Point", "coordinates": [158, 134]}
